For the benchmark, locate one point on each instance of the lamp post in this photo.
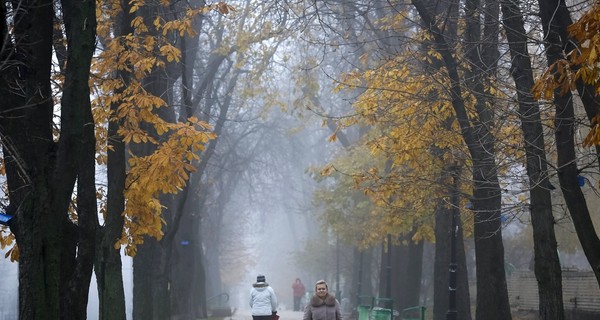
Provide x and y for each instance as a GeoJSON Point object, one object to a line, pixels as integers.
{"type": "Point", "coordinates": [337, 267]}
{"type": "Point", "coordinates": [388, 288]}
{"type": "Point", "coordinates": [359, 284]}
{"type": "Point", "coordinates": [453, 266]}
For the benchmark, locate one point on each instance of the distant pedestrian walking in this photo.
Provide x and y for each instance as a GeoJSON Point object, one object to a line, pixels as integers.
{"type": "Point", "coordinates": [299, 290]}
{"type": "Point", "coordinates": [263, 300]}
{"type": "Point", "coordinates": [322, 305]}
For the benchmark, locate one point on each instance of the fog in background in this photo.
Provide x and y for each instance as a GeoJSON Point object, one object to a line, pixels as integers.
{"type": "Point", "coordinates": [8, 289]}
{"type": "Point", "coordinates": [266, 222]}
{"type": "Point", "coordinates": [273, 218]}
{"type": "Point", "coordinates": [264, 216]}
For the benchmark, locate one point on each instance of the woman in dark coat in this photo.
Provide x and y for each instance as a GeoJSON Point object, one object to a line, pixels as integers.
{"type": "Point", "coordinates": [323, 305]}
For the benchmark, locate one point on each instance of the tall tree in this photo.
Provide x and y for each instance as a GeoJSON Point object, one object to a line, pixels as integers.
{"type": "Point", "coordinates": [556, 19]}
{"type": "Point", "coordinates": [108, 265]}
{"type": "Point", "coordinates": [492, 294]}
{"type": "Point", "coordinates": [547, 265]}
{"type": "Point", "coordinates": [42, 165]}
{"type": "Point", "coordinates": [160, 149]}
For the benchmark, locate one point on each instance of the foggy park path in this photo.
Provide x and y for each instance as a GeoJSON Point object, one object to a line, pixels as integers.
{"type": "Point", "coordinates": [283, 315]}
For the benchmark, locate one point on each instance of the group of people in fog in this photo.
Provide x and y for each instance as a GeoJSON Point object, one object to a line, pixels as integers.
{"type": "Point", "coordinates": [321, 306]}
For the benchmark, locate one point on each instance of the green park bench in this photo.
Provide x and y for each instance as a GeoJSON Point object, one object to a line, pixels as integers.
{"type": "Point", "coordinates": [363, 312]}
{"type": "Point", "coordinates": [218, 306]}
{"type": "Point", "coordinates": [369, 311]}
{"type": "Point", "coordinates": [413, 313]}
{"type": "Point", "coordinates": [385, 312]}
{"type": "Point", "coordinates": [381, 314]}
{"type": "Point", "coordinates": [365, 304]}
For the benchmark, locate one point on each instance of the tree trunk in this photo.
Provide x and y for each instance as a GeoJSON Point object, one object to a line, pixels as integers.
{"type": "Point", "coordinates": [80, 21]}
{"type": "Point", "coordinates": [144, 277]}
{"type": "Point", "coordinates": [400, 274]}
{"type": "Point", "coordinates": [407, 263]}
{"type": "Point", "coordinates": [555, 16]}
{"type": "Point", "coordinates": [26, 133]}
{"type": "Point", "coordinates": [492, 293]}
{"type": "Point", "coordinates": [110, 281]}
{"type": "Point", "coordinates": [361, 287]}
{"type": "Point", "coordinates": [108, 259]}
{"type": "Point", "coordinates": [41, 174]}
{"type": "Point", "coordinates": [400, 261]}
{"type": "Point", "coordinates": [199, 287]}
{"type": "Point", "coordinates": [547, 265]}
{"type": "Point", "coordinates": [108, 264]}
{"type": "Point", "coordinates": [183, 268]}
{"type": "Point", "coordinates": [156, 276]}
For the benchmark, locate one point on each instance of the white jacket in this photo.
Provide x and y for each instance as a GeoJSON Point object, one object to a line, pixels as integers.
{"type": "Point", "coordinates": [263, 300]}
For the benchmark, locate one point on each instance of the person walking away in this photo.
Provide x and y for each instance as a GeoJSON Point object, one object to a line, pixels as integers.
{"type": "Point", "coordinates": [263, 300]}
{"type": "Point", "coordinates": [323, 305]}
{"type": "Point", "coordinates": [298, 291]}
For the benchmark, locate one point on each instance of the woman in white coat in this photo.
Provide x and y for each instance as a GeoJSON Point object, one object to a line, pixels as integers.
{"type": "Point", "coordinates": [263, 300]}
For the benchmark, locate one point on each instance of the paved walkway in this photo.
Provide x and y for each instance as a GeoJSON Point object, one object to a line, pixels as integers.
{"type": "Point", "coordinates": [283, 315]}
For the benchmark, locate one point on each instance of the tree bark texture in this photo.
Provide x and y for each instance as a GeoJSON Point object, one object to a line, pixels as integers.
{"type": "Point", "coordinates": [407, 263]}
{"type": "Point", "coordinates": [361, 288]}
{"type": "Point", "coordinates": [26, 131]}
{"type": "Point", "coordinates": [547, 264]}
{"type": "Point", "coordinates": [183, 267]}
{"type": "Point", "coordinates": [108, 264]}
{"type": "Point", "coordinates": [145, 272]}
{"type": "Point", "coordinates": [80, 22]}
{"type": "Point", "coordinates": [492, 293]}
{"type": "Point", "coordinates": [40, 173]}
{"type": "Point", "coordinates": [108, 259]}
{"type": "Point", "coordinates": [555, 16]}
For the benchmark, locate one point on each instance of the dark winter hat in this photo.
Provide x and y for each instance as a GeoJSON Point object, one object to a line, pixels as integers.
{"type": "Point", "coordinates": [260, 278]}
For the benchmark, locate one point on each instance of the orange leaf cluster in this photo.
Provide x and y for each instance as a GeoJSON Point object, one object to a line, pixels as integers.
{"type": "Point", "coordinates": [582, 63]}
{"type": "Point", "coordinates": [168, 168]}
